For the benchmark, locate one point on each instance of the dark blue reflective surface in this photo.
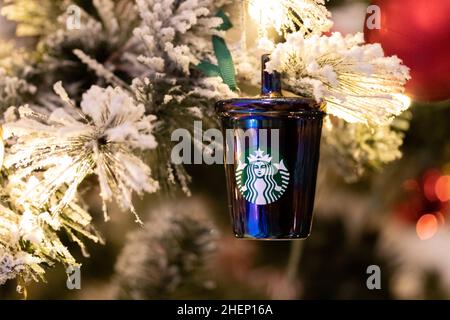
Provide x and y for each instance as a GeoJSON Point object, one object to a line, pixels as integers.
{"type": "Point", "coordinates": [299, 122]}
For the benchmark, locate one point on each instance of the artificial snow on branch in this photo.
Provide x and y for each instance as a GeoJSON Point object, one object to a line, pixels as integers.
{"type": "Point", "coordinates": [33, 18]}
{"type": "Point", "coordinates": [356, 149]}
{"type": "Point", "coordinates": [13, 90]}
{"type": "Point", "coordinates": [70, 144]}
{"type": "Point", "coordinates": [30, 235]}
{"type": "Point", "coordinates": [99, 69]}
{"type": "Point", "coordinates": [168, 254]}
{"type": "Point", "coordinates": [177, 34]}
{"type": "Point", "coordinates": [358, 83]}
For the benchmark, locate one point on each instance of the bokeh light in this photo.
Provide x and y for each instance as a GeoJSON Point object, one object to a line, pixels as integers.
{"type": "Point", "coordinates": [411, 185]}
{"type": "Point", "coordinates": [440, 218]}
{"type": "Point", "coordinates": [427, 226]}
{"type": "Point", "coordinates": [442, 188]}
{"type": "Point", "coordinates": [429, 186]}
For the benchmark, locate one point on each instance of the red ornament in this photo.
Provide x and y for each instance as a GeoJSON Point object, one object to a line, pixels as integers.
{"type": "Point", "coordinates": [417, 31]}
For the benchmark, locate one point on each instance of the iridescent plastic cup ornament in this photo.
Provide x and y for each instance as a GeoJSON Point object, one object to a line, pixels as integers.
{"type": "Point", "coordinates": [271, 159]}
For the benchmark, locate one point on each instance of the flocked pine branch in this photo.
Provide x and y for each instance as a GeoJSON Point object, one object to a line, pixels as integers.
{"type": "Point", "coordinates": [13, 91]}
{"type": "Point", "coordinates": [104, 34]}
{"type": "Point", "coordinates": [358, 83]}
{"type": "Point", "coordinates": [70, 144]}
{"type": "Point", "coordinates": [355, 149]}
{"type": "Point", "coordinates": [177, 34]}
{"type": "Point", "coordinates": [169, 254]}
{"type": "Point", "coordinates": [34, 18]}
{"type": "Point", "coordinates": [99, 69]}
{"type": "Point", "coordinates": [30, 235]}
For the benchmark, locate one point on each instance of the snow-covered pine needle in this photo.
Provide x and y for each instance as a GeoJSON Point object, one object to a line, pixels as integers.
{"type": "Point", "coordinates": [99, 69]}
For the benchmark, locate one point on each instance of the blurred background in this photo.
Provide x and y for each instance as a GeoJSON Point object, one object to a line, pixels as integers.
{"type": "Point", "coordinates": [395, 216]}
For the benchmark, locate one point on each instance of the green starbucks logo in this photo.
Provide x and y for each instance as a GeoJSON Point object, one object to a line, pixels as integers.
{"type": "Point", "coordinates": [259, 180]}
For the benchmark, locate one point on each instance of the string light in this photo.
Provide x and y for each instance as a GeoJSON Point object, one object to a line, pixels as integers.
{"type": "Point", "coordinates": [265, 13]}
{"type": "Point", "coordinates": [285, 16]}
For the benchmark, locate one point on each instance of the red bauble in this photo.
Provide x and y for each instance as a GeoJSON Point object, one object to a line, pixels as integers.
{"type": "Point", "coordinates": [418, 31]}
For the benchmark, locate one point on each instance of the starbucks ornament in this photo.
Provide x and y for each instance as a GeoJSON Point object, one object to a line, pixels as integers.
{"type": "Point", "coordinates": [271, 158]}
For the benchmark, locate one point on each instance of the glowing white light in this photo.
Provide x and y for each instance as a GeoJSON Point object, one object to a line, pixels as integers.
{"type": "Point", "coordinates": [285, 16]}
{"type": "Point", "coordinates": [267, 12]}
{"type": "Point", "coordinates": [404, 99]}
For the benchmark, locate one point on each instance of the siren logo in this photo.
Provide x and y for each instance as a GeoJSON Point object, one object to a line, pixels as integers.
{"type": "Point", "coordinates": [260, 180]}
